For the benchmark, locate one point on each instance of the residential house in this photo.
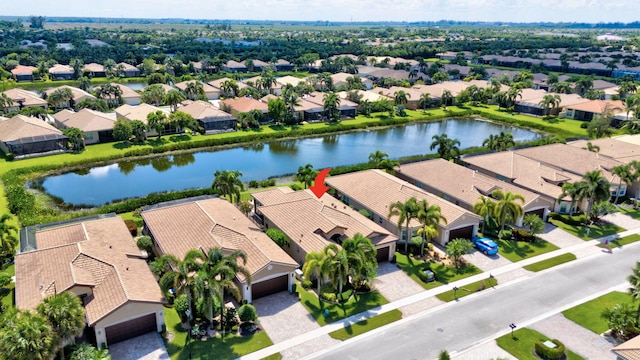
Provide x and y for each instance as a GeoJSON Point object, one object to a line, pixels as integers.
{"type": "Point", "coordinates": [340, 80]}
{"type": "Point", "coordinates": [308, 111]}
{"type": "Point", "coordinates": [140, 113]}
{"type": "Point", "coordinates": [283, 65]}
{"type": "Point", "coordinates": [210, 92]}
{"type": "Point", "coordinates": [312, 223]}
{"type": "Point", "coordinates": [218, 85]}
{"type": "Point", "coordinates": [96, 259]}
{"type": "Point", "coordinates": [78, 94]}
{"type": "Point", "coordinates": [463, 186]}
{"type": "Point", "coordinates": [356, 190]}
{"type": "Point", "coordinates": [22, 99]}
{"type": "Point", "coordinates": [207, 222]}
{"type": "Point", "coordinates": [533, 104]}
{"type": "Point", "coordinates": [61, 72]}
{"type": "Point", "coordinates": [242, 105]}
{"type": "Point", "coordinates": [258, 65]}
{"type": "Point", "coordinates": [587, 111]}
{"type": "Point", "coordinates": [347, 108]}
{"type": "Point", "coordinates": [129, 96]}
{"type": "Point", "coordinates": [128, 70]}
{"type": "Point", "coordinates": [368, 95]}
{"type": "Point", "coordinates": [289, 80]}
{"type": "Point", "coordinates": [544, 169]}
{"type": "Point", "coordinates": [97, 127]}
{"type": "Point", "coordinates": [23, 73]}
{"type": "Point", "coordinates": [234, 66]}
{"type": "Point", "coordinates": [26, 136]}
{"type": "Point", "coordinates": [209, 117]}
{"type": "Point", "coordinates": [413, 95]}
{"type": "Point", "coordinates": [256, 81]}
{"type": "Point", "coordinates": [94, 70]}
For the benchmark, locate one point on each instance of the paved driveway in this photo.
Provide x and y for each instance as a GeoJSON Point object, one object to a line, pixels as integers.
{"type": "Point", "coordinates": [144, 347]}
{"type": "Point", "coordinates": [576, 338]}
{"type": "Point", "coordinates": [283, 317]}
{"type": "Point", "coordinates": [559, 237]}
{"type": "Point", "coordinates": [395, 284]}
{"type": "Point", "coordinates": [622, 220]}
{"type": "Point", "coordinates": [485, 262]}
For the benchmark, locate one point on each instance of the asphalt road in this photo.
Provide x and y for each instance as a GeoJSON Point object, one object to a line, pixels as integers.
{"type": "Point", "coordinates": [460, 325]}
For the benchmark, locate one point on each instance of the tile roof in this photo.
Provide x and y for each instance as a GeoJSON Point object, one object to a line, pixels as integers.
{"type": "Point", "coordinates": [218, 83]}
{"type": "Point", "coordinates": [318, 99]}
{"type": "Point", "coordinates": [312, 221]}
{"type": "Point", "coordinates": [206, 87]}
{"type": "Point", "coordinates": [209, 223]}
{"type": "Point", "coordinates": [23, 70]}
{"type": "Point", "coordinates": [621, 148]}
{"type": "Point", "coordinates": [98, 253]}
{"type": "Point", "coordinates": [201, 110]}
{"type": "Point", "coordinates": [27, 98]}
{"type": "Point", "coordinates": [629, 350]}
{"type": "Point", "coordinates": [61, 69]}
{"type": "Point", "coordinates": [93, 67]}
{"type": "Point", "coordinates": [21, 126]}
{"type": "Point", "coordinates": [388, 189]}
{"type": "Point", "coordinates": [138, 112]}
{"type": "Point", "coordinates": [370, 95]}
{"type": "Point", "coordinates": [127, 92]}
{"type": "Point", "coordinates": [289, 80]}
{"type": "Point", "coordinates": [232, 64]}
{"type": "Point", "coordinates": [245, 104]}
{"type": "Point", "coordinates": [127, 67]}
{"type": "Point", "coordinates": [598, 106]}
{"type": "Point", "coordinates": [465, 184]}
{"type": "Point", "coordinates": [86, 120]}
{"type": "Point", "coordinates": [78, 94]}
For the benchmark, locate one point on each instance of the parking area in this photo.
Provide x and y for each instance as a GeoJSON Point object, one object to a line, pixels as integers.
{"type": "Point", "coordinates": [559, 237]}
{"type": "Point", "coordinates": [485, 262]}
{"type": "Point", "coordinates": [146, 347]}
{"type": "Point", "coordinates": [395, 284]}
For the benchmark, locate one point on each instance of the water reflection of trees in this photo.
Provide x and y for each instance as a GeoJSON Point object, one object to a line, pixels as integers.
{"type": "Point", "coordinates": [330, 141]}
{"type": "Point", "coordinates": [183, 159]}
{"type": "Point", "coordinates": [160, 164]}
{"type": "Point", "coordinates": [257, 147]}
{"type": "Point", "coordinates": [284, 146]}
{"type": "Point", "coordinates": [126, 167]}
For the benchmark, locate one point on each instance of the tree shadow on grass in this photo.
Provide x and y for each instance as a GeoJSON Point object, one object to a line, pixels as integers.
{"type": "Point", "coordinates": [122, 145]}
{"type": "Point", "coordinates": [519, 248]}
{"type": "Point", "coordinates": [180, 138]}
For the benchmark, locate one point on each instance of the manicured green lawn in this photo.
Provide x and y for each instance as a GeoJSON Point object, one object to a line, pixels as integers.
{"type": "Point", "coordinates": [443, 274]}
{"type": "Point", "coordinates": [519, 250]}
{"type": "Point", "coordinates": [622, 241]}
{"type": "Point", "coordinates": [355, 305]}
{"type": "Point", "coordinates": [363, 326]}
{"type": "Point", "coordinates": [522, 343]}
{"type": "Point", "coordinates": [594, 231]}
{"type": "Point", "coordinates": [467, 289]}
{"type": "Point", "coordinates": [229, 347]}
{"type": "Point", "coordinates": [587, 315]}
{"type": "Point", "coordinates": [129, 216]}
{"type": "Point", "coordinates": [545, 264]}
{"type": "Point", "coordinates": [634, 213]}
{"type": "Point", "coordinates": [7, 294]}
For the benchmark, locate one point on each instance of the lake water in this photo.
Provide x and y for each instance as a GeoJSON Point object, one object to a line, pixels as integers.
{"type": "Point", "coordinates": [128, 179]}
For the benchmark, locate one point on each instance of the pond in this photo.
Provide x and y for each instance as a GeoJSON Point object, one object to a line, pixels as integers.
{"type": "Point", "coordinates": [126, 179]}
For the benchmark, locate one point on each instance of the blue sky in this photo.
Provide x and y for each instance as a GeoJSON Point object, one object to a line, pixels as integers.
{"type": "Point", "coordinates": [339, 10]}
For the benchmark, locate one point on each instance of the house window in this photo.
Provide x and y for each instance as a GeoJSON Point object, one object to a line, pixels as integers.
{"type": "Point", "coordinates": [563, 208]}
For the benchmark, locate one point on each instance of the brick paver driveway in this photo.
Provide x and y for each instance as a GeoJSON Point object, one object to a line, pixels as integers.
{"type": "Point", "coordinates": [559, 237]}
{"type": "Point", "coordinates": [144, 347]}
{"type": "Point", "coordinates": [395, 284]}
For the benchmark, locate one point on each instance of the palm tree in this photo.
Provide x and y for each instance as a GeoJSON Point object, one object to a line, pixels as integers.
{"type": "Point", "coordinates": [5, 102]}
{"type": "Point", "coordinates": [623, 172]}
{"type": "Point", "coordinates": [66, 315]}
{"type": "Point", "coordinates": [380, 160]}
{"type": "Point", "coordinates": [229, 88]}
{"type": "Point", "coordinates": [362, 260]}
{"type": "Point", "coordinates": [76, 137]}
{"type": "Point", "coordinates": [193, 90]}
{"type": "Point", "coordinates": [157, 121]}
{"type": "Point", "coordinates": [550, 101]}
{"type": "Point", "coordinates": [569, 189]}
{"type": "Point", "coordinates": [562, 87]}
{"type": "Point", "coordinates": [173, 98]}
{"type": "Point", "coordinates": [8, 241]}
{"type": "Point", "coordinates": [456, 248]}
{"type": "Point", "coordinates": [429, 217]}
{"type": "Point", "coordinates": [484, 207]}
{"type": "Point", "coordinates": [337, 267]}
{"type": "Point", "coordinates": [84, 83]}
{"type": "Point", "coordinates": [425, 101]}
{"type": "Point", "coordinates": [109, 67]}
{"type": "Point", "coordinates": [400, 97]}
{"type": "Point", "coordinates": [27, 335]}
{"type": "Point", "coordinates": [405, 212]}
{"type": "Point", "coordinates": [446, 98]}
{"type": "Point", "coordinates": [228, 183]}
{"type": "Point", "coordinates": [634, 289]}
{"type": "Point", "coordinates": [314, 265]}
{"type": "Point", "coordinates": [447, 148]}
{"type": "Point", "coordinates": [154, 94]}
{"type": "Point", "coordinates": [331, 104]}
{"type": "Point", "coordinates": [306, 175]}
{"type": "Point", "coordinates": [216, 276]}
{"type": "Point", "coordinates": [507, 209]}
{"type": "Point", "coordinates": [594, 188]}
{"type": "Point", "coordinates": [181, 276]}
{"type": "Point", "coordinates": [291, 100]}
{"type": "Point", "coordinates": [583, 84]}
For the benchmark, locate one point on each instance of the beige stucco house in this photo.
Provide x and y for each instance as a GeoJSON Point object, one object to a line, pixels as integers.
{"type": "Point", "coordinates": [312, 223]}
{"type": "Point", "coordinates": [209, 222]}
{"type": "Point", "coordinates": [96, 259]}
{"type": "Point", "coordinates": [376, 190]}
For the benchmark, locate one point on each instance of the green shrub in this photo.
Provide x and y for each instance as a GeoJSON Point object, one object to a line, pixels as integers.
{"type": "Point", "coordinates": [145, 243]}
{"type": "Point", "coordinates": [306, 284]}
{"type": "Point", "coordinates": [253, 184]}
{"type": "Point", "coordinates": [9, 156]}
{"type": "Point", "coordinates": [247, 312]}
{"type": "Point", "coordinates": [523, 235]}
{"type": "Point", "coordinates": [278, 237]}
{"type": "Point", "coordinates": [584, 125]}
{"type": "Point", "coordinates": [181, 304]}
{"type": "Point", "coordinates": [295, 187]}
{"type": "Point", "coordinates": [505, 234]}
{"type": "Point", "coordinates": [5, 279]}
{"type": "Point", "coordinates": [550, 353]}
{"type": "Point", "coordinates": [327, 293]}
{"type": "Point", "coordinates": [267, 183]}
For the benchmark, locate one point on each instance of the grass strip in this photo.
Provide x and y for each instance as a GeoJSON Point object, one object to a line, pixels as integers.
{"type": "Point", "coordinates": [545, 264]}
{"type": "Point", "coordinates": [467, 289]}
{"type": "Point", "coordinates": [363, 326]}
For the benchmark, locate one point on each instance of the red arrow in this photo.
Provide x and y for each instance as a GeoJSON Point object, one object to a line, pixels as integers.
{"type": "Point", "coordinates": [319, 188]}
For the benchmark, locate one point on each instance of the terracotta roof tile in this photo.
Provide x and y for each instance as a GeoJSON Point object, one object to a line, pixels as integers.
{"type": "Point", "coordinates": [86, 120]}
{"type": "Point", "coordinates": [27, 98]}
{"type": "Point", "coordinates": [20, 126]}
